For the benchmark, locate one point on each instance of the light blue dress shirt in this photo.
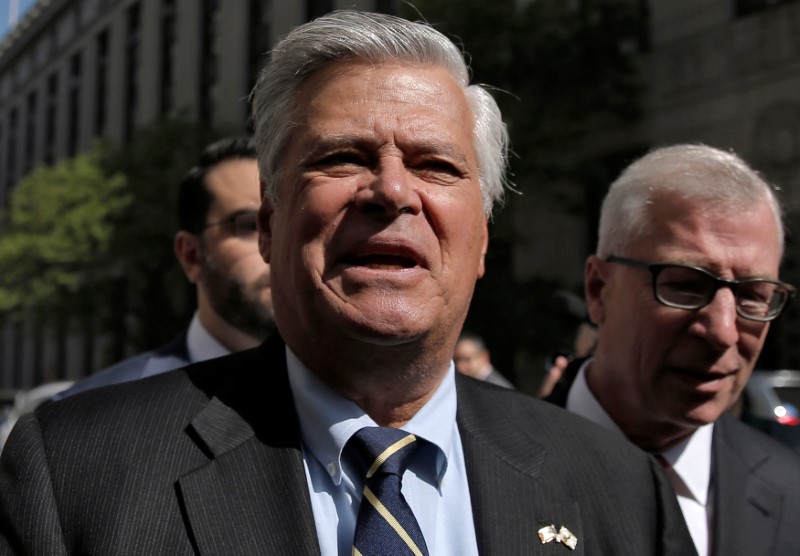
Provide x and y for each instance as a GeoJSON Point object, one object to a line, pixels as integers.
{"type": "Point", "coordinates": [435, 484]}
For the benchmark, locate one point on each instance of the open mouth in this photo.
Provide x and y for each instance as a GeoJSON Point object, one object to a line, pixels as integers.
{"type": "Point", "coordinates": [381, 261]}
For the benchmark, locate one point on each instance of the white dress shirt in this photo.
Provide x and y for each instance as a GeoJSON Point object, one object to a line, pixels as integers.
{"type": "Point", "coordinates": [435, 484]}
{"type": "Point", "coordinates": [689, 462]}
{"type": "Point", "coordinates": [200, 344]}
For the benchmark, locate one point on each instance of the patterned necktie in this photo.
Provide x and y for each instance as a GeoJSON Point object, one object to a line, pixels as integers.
{"type": "Point", "coordinates": [386, 525]}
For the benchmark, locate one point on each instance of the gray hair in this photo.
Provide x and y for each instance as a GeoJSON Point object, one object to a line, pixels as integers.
{"type": "Point", "coordinates": [375, 39]}
{"type": "Point", "coordinates": [716, 181]}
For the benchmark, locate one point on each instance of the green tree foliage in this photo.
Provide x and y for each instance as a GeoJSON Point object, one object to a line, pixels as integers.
{"type": "Point", "coordinates": [59, 230]}
{"type": "Point", "coordinates": [90, 240]}
{"type": "Point", "coordinates": [150, 290]}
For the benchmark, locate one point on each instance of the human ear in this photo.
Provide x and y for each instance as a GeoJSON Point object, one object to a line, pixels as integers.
{"type": "Point", "coordinates": [594, 285]}
{"type": "Point", "coordinates": [189, 254]}
{"type": "Point", "coordinates": [265, 213]}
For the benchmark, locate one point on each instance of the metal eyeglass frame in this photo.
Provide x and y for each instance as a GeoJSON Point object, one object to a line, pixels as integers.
{"type": "Point", "coordinates": [656, 268]}
{"type": "Point", "coordinates": [231, 220]}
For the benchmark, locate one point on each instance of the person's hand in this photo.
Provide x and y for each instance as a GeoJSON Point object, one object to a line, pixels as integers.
{"type": "Point", "coordinates": [553, 376]}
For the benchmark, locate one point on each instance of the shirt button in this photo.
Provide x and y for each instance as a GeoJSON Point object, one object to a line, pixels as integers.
{"type": "Point", "coordinates": [331, 469]}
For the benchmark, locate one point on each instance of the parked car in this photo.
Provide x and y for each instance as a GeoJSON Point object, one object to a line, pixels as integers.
{"type": "Point", "coordinates": [770, 403]}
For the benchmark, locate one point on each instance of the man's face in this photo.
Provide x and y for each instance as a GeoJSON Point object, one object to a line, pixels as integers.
{"type": "Point", "coordinates": [660, 370]}
{"type": "Point", "coordinates": [469, 359]}
{"type": "Point", "coordinates": [234, 277]}
{"type": "Point", "coordinates": [379, 234]}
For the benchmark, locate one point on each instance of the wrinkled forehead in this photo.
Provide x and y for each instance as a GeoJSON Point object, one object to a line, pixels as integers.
{"type": "Point", "coordinates": [667, 206]}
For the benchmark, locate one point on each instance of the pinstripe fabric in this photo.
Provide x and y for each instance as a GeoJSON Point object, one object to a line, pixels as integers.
{"type": "Point", "coordinates": [178, 464]}
{"type": "Point", "coordinates": [531, 464]}
{"type": "Point", "coordinates": [209, 462]}
{"type": "Point", "coordinates": [757, 486]}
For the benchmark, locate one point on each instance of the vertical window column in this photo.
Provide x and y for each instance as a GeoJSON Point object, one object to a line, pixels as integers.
{"type": "Point", "coordinates": [29, 156]}
{"type": "Point", "coordinates": [50, 115]}
{"type": "Point", "coordinates": [168, 38]}
{"type": "Point", "coordinates": [209, 34]}
{"type": "Point", "coordinates": [132, 44]}
{"type": "Point", "coordinates": [74, 104]}
{"type": "Point", "coordinates": [11, 153]}
{"type": "Point", "coordinates": [101, 83]}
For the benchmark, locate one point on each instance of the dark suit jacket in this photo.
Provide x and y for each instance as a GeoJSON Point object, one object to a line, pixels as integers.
{"type": "Point", "coordinates": [208, 460]}
{"type": "Point", "coordinates": [757, 482]}
{"type": "Point", "coordinates": [173, 355]}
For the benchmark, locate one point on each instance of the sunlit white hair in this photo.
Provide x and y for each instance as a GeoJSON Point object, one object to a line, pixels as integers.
{"type": "Point", "coordinates": [714, 181]}
{"type": "Point", "coordinates": [375, 39]}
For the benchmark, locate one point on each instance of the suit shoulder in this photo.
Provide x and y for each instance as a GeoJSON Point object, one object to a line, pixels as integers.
{"type": "Point", "coordinates": [762, 453]}
{"type": "Point", "coordinates": [176, 393]}
{"type": "Point", "coordinates": [544, 422]}
{"type": "Point", "coordinates": [108, 402]}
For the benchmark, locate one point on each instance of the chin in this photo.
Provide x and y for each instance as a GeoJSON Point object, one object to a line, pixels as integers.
{"type": "Point", "coordinates": [386, 333]}
{"type": "Point", "coordinates": [705, 414]}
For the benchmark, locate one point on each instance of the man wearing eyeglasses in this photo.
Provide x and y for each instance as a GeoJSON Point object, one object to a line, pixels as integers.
{"type": "Point", "coordinates": [683, 288]}
{"type": "Point", "coordinates": [218, 249]}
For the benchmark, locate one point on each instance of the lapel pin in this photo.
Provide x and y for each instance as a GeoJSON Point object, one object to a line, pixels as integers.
{"type": "Point", "coordinates": [548, 534]}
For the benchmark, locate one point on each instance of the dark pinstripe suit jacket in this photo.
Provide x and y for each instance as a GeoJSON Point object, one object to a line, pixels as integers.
{"type": "Point", "coordinates": [757, 486]}
{"type": "Point", "coordinates": [208, 461]}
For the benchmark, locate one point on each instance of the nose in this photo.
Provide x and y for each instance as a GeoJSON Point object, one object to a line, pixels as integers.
{"type": "Point", "coordinates": [717, 322]}
{"type": "Point", "coordinates": [390, 191]}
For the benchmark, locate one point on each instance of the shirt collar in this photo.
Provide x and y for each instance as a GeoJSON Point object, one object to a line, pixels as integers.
{"type": "Point", "coordinates": [328, 419]}
{"type": "Point", "coordinates": [690, 458]}
{"type": "Point", "coordinates": [200, 344]}
{"type": "Point", "coordinates": [581, 401]}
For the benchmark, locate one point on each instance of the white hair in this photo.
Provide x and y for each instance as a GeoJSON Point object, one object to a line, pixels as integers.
{"type": "Point", "coordinates": [713, 180]}
{"type": "Point", "coordinates": [375, 39]}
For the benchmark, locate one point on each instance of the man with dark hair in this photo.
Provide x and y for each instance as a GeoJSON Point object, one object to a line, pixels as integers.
{"type": "Point", "coordinates": [349, 431]}
{"type": "Point", "coordinates": [217, 248]}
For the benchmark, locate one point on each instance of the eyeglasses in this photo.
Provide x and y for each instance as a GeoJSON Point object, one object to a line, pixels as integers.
{"type": "Point", "coordinates": [691, 288]}
{"type": "Point", "coordinates": [242, 223]}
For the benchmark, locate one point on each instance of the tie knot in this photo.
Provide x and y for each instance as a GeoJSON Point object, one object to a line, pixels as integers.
{"type": "Point", "coordinates": [382, 450]}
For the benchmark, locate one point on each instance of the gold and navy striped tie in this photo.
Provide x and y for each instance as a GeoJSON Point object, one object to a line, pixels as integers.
{"type": "Point", "coordinates": [386, 526]}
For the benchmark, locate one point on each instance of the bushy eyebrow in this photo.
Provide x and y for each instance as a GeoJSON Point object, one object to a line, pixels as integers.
{"type": "Point", "coordinates": [321, 144]}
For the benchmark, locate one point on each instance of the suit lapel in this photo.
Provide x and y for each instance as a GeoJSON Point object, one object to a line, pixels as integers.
{"type": "Point", "coordinates": [747, 509]}
{"type": "Point", "coordinates": [254, 477]}
{"type": "Point", "coordinates": [509, 502]}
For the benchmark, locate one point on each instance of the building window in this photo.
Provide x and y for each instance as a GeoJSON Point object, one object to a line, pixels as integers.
{"type": "Point", "coordinates": [30, 132]}
{"type": "Point", "coordinates": [208, 59]}
{"type": "Point", "coordinates": [133, 40]}
{"type": "Point", "coordinates": [168, 23]}
{"type": "Point", "coordinates": [2, 191]}
{"type": "Point", "coordinates": [747, 7]}
{"type": "Point", "coordinates": [74, 104]}
{"type": "Point", "coordinates": [317, 8]}
{"type": "Point", "coordinates": [386, 6]}
{"type": "Point", "coordinates": [17, 353]}
{"type": "Point", "coordinates": [259, 40]}
{"type": "Point", "coordinates": [11, 151]}
{"type": "Point", "coordinates": [101, 84]}
{"type": "Point", "coordinates": [50, 115]}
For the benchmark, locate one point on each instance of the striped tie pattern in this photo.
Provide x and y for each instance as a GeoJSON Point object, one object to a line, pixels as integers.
{"type": "Point", "coordinates": [386, 526]}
